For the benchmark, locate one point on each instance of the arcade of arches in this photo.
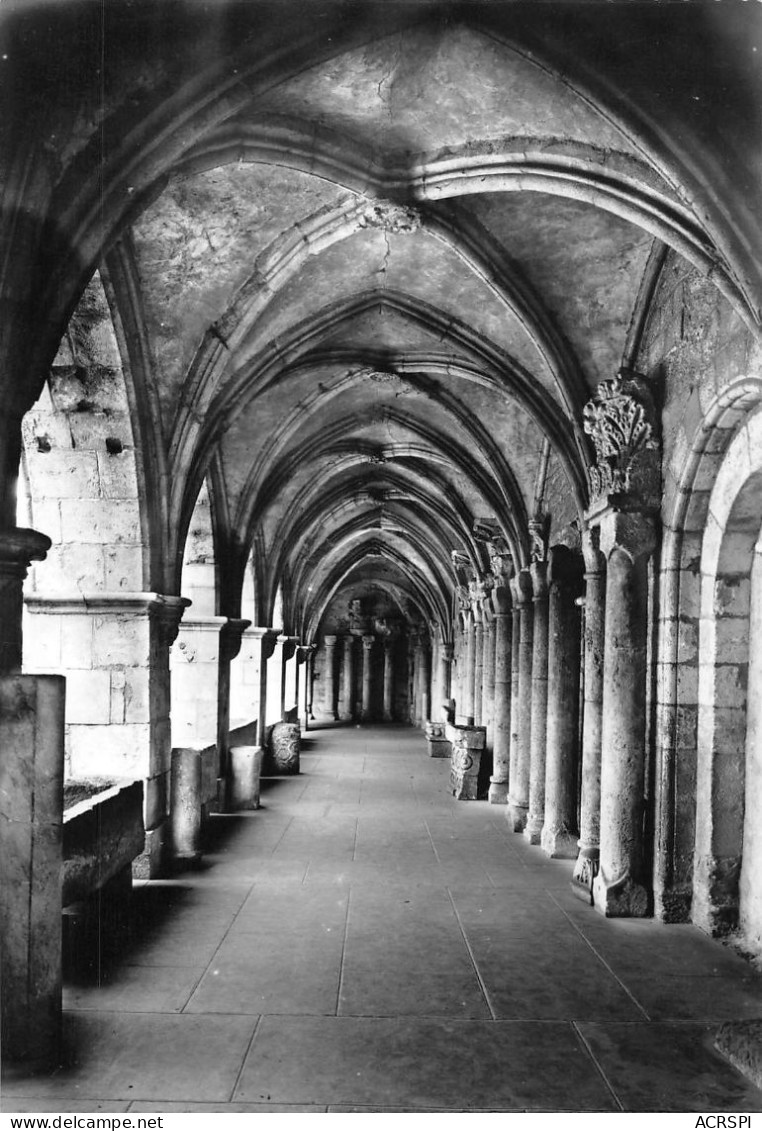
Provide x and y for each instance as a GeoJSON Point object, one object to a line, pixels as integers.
{"type": "Point", "coordinates": [402, 363]}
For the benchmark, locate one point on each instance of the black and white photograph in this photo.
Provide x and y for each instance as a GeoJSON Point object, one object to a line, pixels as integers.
{"type": "Point", "coordinates": [380, 561]}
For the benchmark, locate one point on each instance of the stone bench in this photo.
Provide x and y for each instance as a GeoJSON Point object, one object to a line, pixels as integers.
{"type": "Point", "coordinates": [103, 833]}
{"type": "Point", "coordinates": [467, 743]}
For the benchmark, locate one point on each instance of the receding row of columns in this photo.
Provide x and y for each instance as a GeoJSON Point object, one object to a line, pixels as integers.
{"type": "Point", "coordinates": [340, 696]}
{"type": "Point", "coordinates": [570, 767]}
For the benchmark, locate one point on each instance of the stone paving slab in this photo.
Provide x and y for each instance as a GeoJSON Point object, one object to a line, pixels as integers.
{"type": "Point", "coordinates": [365, 943]}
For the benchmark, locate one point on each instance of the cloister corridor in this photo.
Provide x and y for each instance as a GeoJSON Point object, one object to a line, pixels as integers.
{"type": "Point", "coordinates": [363, 942]}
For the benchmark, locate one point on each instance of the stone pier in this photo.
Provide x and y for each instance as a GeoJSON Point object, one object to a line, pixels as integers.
{"type": "Point", "coordinates": [31, 831]}
{"type": "Point", "coordinates": [619, 889]}
{"type": "Point", "coordinates": [518, 802]}
{"type": "Point", "coordinates": [559, 832]}
{"type": "Point", "coordinates": [586, 867]}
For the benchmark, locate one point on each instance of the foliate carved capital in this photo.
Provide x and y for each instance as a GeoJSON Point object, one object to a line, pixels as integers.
{"type": "Point", "coordinates": [231, 635]}
{"type": "Point", "coordinates": [621, 420]}
{"type": "Point", "coordinates": [367, 642]}
{"type": "Point", "coordinates": [448, 653]}
{"type": "Point", "coordinates": [330, 641]}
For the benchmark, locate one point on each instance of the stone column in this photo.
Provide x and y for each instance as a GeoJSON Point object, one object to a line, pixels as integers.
{"type": "Point", "coordinates": [330, 676]}
{"type": "Point", "coordinates": [539, 708]}
{"type": "Point", "coordinates": [348, 697]}
{"type": "Point", "coordinates": [310, 688]}
{"type": "Point", "coordinates": [266, 642]}
{"type": "Point", "coordinates": [559, 836]}
{"type": "Point", "coordinates": [586, 868]}
{"type": "Point", "coordinates": [518, 802]}
{"type": "Point", "coordinates": [388, 679]}
{"type": "Point", "coordinates": [302, 668]}
{"type": "Point", "coordinates": [501, 706]}
{"type": "Point", "coordinates": [31, 823]}
{"type": "Point", "coordinates": [424, 682]}
{"type": "Point", "coordinates": [446, 656]}
{"type": "Point", "coordinates": [230, 645]}
{"type": "Point", "coordinates": [367, 645]}
{"type": "Point", "coordinates": [18, 549]}
{"type": "Point", "coordinates": [626, 539]}
{"type": "Point", "coordinates": [488, 674]}
{"type": "Point", "coordinates": [478, 662]}
{"type": "Point", "coordinates": [185, 806]}
{"type": "Point", "coordinates": [469, 673]}
{"type": "Point", "coordinates": [288, 676]}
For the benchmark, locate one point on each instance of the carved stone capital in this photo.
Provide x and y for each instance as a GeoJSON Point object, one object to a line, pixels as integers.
{"type": "Point", "coordinates": [367, 642]}
{"type": "Point", "coordinates": [502, 601]}
{"type": "Point", "coordinates": [538, 536]}
{"type": "Point", "coordinates": [288, 644]}
{"type": "Point", "coordinates": [521, 588]}
{"type": "Point", "coordinates": [166, 613]}
{"type": "Point", "coordinates": [447, 653]}
{"type": "Point", "coordinates": [595, 561]}
{"type": "Point", "coordinates": [267, 638]}
{"type": "Point", "coordinates": [622, 422]}
{"type": "Point", "coordinates": [330, 641]}
{"type": "Point", "coordinates": [464, 598]}
{"type": "Point", "coordinates": [231, 635]}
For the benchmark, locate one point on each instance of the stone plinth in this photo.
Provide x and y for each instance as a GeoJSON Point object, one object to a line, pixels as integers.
{"type": "Point", "coordinates": [31, 836]}
{"type": "Point", "coordinates": [439, 746]}
{"type": "Point", "coordinates": [245, 771]}
{"type": "Point", "coordinates": [185, 809]}
{"type": "Point", "coordinates": [467, 744]}
{"type": "Point", "coordinates": [284, 748]}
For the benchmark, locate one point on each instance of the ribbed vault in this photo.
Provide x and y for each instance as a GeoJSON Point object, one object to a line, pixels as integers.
{"type": "Point", "coordinates": [364, 275]}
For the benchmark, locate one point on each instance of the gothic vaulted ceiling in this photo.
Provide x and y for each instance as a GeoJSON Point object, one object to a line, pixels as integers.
{"type": "Point", "coordinates": [371, 260]}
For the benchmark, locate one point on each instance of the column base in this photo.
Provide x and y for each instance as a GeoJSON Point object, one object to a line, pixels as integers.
{"type": "Point", "coordinates": [517, 815]}
{"type": "Point", "coordinates": [585, 871]}
{"type": "Point", "coordinates": [533, 830]}
{"type": "Point", "coordinates": [387, 717]}
{"type": "Point", "coordinates": [620, 899]}
{"type": "Point", "coordinates": [498, 792]}
{"type": "Point", "coordinates": [559, 844]}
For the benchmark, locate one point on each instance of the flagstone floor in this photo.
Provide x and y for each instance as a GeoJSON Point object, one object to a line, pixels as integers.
{"type": "Point", "coordinates": [366, 943]}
